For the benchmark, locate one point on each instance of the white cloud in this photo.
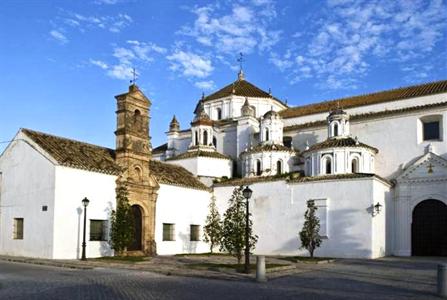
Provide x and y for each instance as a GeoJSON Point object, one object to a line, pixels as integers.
{"type": "Point", "coordinates": [133, 54]}
{"type": "Point", "coordinates": [109, 2]}
{"type": "Point", "coordinates": [142, 49]}
{"type": "Point", "coordinates": [83, 22]}
{"type": "Point", "coordinates": [59, 36]}
{"type": "Point", "coordinates": [190, 64]}
{"type": "Point", "coordinates": [99, 63]}
{"type": "Point", "coordinates": [353, 36]}
{"type": "Point", "coordinates": [120, 71]}
{"type": "Point", "coordinates": [205, 85]}
{"type": "Point", "coordinates": [243, 29]}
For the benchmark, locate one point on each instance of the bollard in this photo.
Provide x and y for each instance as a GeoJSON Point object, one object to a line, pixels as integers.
{"type": "Point", "coordinates": [442, 280]}
{"type": "Point", "coordinates": [260, 268]}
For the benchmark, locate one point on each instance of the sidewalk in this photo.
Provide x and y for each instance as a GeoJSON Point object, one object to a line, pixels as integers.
{"type": "Point", "coordinates": [188, 265]}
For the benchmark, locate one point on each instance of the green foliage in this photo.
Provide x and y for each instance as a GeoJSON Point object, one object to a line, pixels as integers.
{"type": "Point", "coordinates": [233, 229]}
{"type": "Point", "coordinates": [309, 235]}
{"type": "Point", "coordinates": [212, 231]}
{"type": "Point", "coordinates": [122, 229]}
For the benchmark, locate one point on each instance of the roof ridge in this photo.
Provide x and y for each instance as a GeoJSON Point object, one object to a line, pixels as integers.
{"type": "Point", "coordinates": [64, 138]}
{"type": "Point", "coordinates": [426, 88]}
{"type": "Point", "coordinates": [424, 84]}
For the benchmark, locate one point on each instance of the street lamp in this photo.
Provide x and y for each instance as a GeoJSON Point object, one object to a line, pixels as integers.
{"type": "Point", "coordinates": [378, 208]}
{"type": "Point", "coordinates": [85, 203]}
{"type": "Point", "coordinates": [247, 195]}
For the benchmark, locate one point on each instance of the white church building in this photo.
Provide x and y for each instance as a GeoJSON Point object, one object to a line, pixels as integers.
{"type": "Point", "coordinates": [375, 165]}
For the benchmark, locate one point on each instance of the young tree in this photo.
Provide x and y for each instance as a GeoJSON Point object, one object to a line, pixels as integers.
{"type": "Point", "coordinates": [212, 232]}
{"type": "Point", "coordinates": [233, 229]}
{"type": "Point", "coordinates": [122, 227]}
{"type": "Point", "coordinates": [309, 235]}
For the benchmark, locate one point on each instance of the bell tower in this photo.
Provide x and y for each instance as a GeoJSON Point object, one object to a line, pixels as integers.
{"type": "Point", "coordinates": [133, 153]}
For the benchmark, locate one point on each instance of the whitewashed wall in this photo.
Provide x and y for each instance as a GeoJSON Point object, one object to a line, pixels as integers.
{"type": "Point", "coordinates": [72, 185]}
{"type": "Point", "coordinates": [206, 166]}
{"type": "Point", "coordinates": [231, 106]}
{"type": "Point", "coordinates": [182, 207]}
{"type": "Point", "coordinates": [278, 209]}
{"type": "Point", "coordinates": [27, 184]}
{"type": "Point", "coordinates": [396, 137]}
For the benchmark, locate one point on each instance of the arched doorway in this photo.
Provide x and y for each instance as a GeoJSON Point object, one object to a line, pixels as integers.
{"type": "Point", "coordinates": [138, 222]}
{"type": "Point", "coordinates": [429, 229]}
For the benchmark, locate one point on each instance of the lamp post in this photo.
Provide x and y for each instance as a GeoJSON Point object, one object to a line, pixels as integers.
{"type": "Point", "coordinates": [247, 194]}
{"type": "Point", "coordinates": [85, 203]}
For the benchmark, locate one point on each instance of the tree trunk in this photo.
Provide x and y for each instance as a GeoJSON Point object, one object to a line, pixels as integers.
{"type": "Point", "coordinates": [311, 253]}
{"type": "Point", "coordinates": [211, 248]}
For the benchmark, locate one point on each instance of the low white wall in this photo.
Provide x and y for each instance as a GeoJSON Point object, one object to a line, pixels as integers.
{"type": "Point", "coordinates": [206, 166]}
{"type": "Point", "coordinates": [189, 164]}
{"type": "Point", "coordinates": [182, 207]}
{"type": "Point", "coordinates": [27, 184]}
{"type": "Point", "coordinates": [278, 214]}
{"type": "Point", "coordinates": [72, 185]}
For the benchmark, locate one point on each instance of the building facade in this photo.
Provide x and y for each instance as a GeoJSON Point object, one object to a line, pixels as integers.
{"type": "Point", "coordinates": [374, 165]}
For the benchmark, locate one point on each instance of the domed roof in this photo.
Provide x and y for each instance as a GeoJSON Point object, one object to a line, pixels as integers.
{"type": "Point", "coordinates": [271, 114]}
{"type": "Point", "coordinates": [337, 111]}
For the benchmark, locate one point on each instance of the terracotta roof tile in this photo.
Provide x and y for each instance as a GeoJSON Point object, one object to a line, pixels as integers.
{"type": "Point", "coordinates": [175, 175]}
{"type": "Point", "coordinates": [160, 149]}
{"type": "Point", "coordinates": [241, 88]}
{"type": "Point", "coordinates": [199, 153]}
{"type": "Point", "coordinates": [71, 153]}
{"type": "Point", "coordinates": [290, 179]}
{"type": "Point", "coordinates": [336, 177]}
{"type": "Point", "coordinates": [368, 99]}
{"type": "Point", "coordinates": [339, 143]}
{"type": "Point", "coordinates": [267, 148]}
{"type": "Point", "coordinates": [370, 115]}
{"type": "Point", "coordinates": [90, 157]}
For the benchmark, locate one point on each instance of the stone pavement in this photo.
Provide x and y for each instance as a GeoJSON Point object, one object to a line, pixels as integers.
{"type": "Point", "coordinates": [388, 278]}
{"type": "Point", "coordinates": [172, 265]}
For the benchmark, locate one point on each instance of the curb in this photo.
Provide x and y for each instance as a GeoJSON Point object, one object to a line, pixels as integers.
{"type": "Point", "coordinates": [47, 263]}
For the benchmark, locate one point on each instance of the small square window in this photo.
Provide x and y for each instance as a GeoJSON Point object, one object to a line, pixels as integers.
{"type": "Point", "coordinates": [168, 232]}
{"type": "Point", "coordinates": [195, 233]}
{"type": "Point", "coordinates": [98, 230]}
{"type": "Point", "coordinates": [431, 130]}
{"type": "Point", "coordinates": [44, 208]}
{"type": "Point", "coordinates": [18, 229]}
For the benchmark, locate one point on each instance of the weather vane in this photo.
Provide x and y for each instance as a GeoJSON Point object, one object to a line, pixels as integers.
{"type": "Point", "coordinates": [135, 76]}
{"type": "Point", "coordinates": [240, 60]}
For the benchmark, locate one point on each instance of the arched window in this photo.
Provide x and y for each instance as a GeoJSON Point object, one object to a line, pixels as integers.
{"type": "Point", "coordinates": [258, 168]}
{"type": "Point", "coordinates": [218, 113]}
{"type": "Point", "coordinates": [196, 138]}
{"type": "Point", "coordinates": [355, 165]}
{"type": "Point", "coordinates": [138, 174]}
{"type": "Point", "coordinates": [279, 167]}
{"type": "Point", "coordinates": [214, 141]}
{"type": "Point", "coordinates": [267, 134]}
{"type": "Point", "coordinates": [335, 129]}
{"type": "Point", "coordinates": [137, 117]}
{"type": "Point", "coordinates": [205, 138]}
{"type": "Point", "coordinates": [327, 165]}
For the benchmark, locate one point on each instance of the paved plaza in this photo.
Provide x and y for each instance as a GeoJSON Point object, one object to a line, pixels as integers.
{"type": "Point", "coordinates": [388, 278]}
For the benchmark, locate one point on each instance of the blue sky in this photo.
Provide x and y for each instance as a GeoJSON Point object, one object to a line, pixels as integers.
{"type": "Point", "coordinates": [63, 62]}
